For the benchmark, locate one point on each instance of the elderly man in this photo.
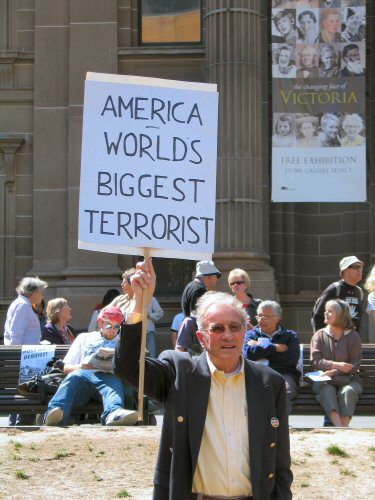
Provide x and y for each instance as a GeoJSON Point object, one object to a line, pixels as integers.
{"type": "Point", "coordinates": [225, 431]}
{"type": "Point", "coordinates": [206, 277]}
{"type": "Point", "coordinates": [329, 135]}
{"type": "Point", "coordinates": [86, 380]}
{"type": "Point", "coordinates": [274, 345]}
{"type": "Point", "coordinates": [352, 59]}
{"type": "Point", "coordinates": [346, 289]}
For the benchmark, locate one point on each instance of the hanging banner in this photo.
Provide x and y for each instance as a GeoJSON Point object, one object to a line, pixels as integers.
{"type": "Point", "coordinates": [148, 169]}
{"type": "Point", "coordinates": [319, 101]}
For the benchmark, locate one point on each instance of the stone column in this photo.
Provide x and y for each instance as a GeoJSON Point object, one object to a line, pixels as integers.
{"type": "Point", "coordinates": [71, 38]}
{"type": "Point", "coordinates": [235, 61]}
{"type": "Point", "coordinates": [92, 47]}
{"type": "Point", "coordinates": [9, 145]}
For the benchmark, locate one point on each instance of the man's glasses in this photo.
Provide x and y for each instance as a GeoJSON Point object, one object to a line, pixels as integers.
{"type": "Point", "coordinates": [356, 266]}
{"type": "Point", "coordinates": [108, 327]}
{"type": "Point", "coordinates": [218, 328]}
{"type": "Point", "coordinates": [232, 283]}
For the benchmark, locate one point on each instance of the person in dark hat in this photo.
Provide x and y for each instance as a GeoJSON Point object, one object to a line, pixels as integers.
{"type": "Point", "coordinates": [206, 277]}
{"type": "Point", "coordinates": [354, 28]}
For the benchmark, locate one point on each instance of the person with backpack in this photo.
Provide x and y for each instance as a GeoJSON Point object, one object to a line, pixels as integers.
{"type": "Point", "coordinates": [346, 289]}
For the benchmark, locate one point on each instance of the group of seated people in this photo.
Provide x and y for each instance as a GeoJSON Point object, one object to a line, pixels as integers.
{"type": "Point", "coordinates": [335, 349]}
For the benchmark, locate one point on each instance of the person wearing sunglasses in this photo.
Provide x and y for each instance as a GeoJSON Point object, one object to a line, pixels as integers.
{"type": "Point", "coordinates": [225, 428]}
{"type": "Point", "coordinates": [239, 282]}
{"type": "Point", "coordinates": [274, 345]}
{"type": "Point", "coordinates": [85, 382]}
{"type": "Point", "coordinates": [347, 289]}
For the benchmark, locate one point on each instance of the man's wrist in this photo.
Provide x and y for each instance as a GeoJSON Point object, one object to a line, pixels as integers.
{"type": "Point", "coordinates": [133, 317]}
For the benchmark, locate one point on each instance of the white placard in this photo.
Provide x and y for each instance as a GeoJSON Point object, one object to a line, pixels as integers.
{"type": "Point", "coordinates": [34, 359]}
{"type": "Point", "coordinates": [148, 170]}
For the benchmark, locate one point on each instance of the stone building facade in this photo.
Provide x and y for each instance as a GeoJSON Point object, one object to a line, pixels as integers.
{"type": "Point", "coordinates": [291, 250]}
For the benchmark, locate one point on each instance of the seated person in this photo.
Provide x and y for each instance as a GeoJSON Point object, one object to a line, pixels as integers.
{"type": "Point", "coordinates": [57, 329]}
{"type": "Point", "coordinates": [275, 346]}
{"type": "Point", "coordinates": [84, 382]}
{"type": "Point", "coordinates": [175, 326]}
{"type": "Point", "coordinates": [336, 349]}
{"type": "Point", "coordinates": [187, 340]}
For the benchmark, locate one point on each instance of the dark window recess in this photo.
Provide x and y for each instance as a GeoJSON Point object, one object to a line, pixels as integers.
{"type": "Point", "coordinates": [172, 275]}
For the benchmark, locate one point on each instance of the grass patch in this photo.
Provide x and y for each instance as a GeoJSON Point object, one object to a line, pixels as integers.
{"type": "Point", "coordinates": [16, 457]}
{"type": "Point", "coordinates": [20, 474]}
{"type": "Point", "coordinates": [305, 485]}
{"type": "Point", "coordinates": [335, 462]}
{"type": "Point", "coordinates": [17, 445]}
{"type": "Point", "coordinates": [123, 494]}
{"type": "Point", "coordinates": [34, 459]}
{"type": "Point", "coordinates": [337, 451]}
{"type": "Point", "coordinates": [372, 448]}
{"type": "Point", "coordinates": [347, 472]}
{"type": "Point", "coordinates": [34, 446]}
{"type": "Point", "coordinates": [62, 454]}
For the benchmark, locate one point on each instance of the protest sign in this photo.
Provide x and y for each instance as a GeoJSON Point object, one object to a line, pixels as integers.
{"type": "Point", "coordinates": [148, 171]}
{"type": "Point", "coordinates": [34, 360]}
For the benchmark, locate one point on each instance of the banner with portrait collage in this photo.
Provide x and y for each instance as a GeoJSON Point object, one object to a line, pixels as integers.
{"type": "Point", "coordinates": [319, 100]}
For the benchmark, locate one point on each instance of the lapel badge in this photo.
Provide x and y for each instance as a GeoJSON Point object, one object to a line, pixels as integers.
{"type": "Point", "coordinates": [275, 422]}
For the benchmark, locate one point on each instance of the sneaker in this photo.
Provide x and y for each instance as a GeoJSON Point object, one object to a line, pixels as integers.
{"type": "Point", "coordinates": [122, 417]}
{"type": "Point", "coordinates": [152, 420]}
{"type": "Point", "coordinates": [54, 416]}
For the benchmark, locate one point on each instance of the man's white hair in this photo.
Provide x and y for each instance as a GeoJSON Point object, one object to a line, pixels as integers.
{"type": "Point", "coordinates": [217, 298]}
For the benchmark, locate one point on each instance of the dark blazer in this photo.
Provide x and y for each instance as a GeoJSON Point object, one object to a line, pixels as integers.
{"type": "Point", "coordinates": [183, 383]}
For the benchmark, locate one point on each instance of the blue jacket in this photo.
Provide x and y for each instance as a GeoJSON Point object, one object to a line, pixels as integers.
{"type": "Point", "coordinates": [281, 362]}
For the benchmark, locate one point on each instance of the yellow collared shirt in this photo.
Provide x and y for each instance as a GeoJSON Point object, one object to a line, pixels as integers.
{"type": "Point", "coordinates": [223, 466]}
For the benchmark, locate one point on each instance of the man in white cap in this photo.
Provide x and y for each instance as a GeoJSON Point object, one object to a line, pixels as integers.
{"type": "Point", "coordinates": [205, 280]}
{"type": "Point", "coordinates": [346, 289]}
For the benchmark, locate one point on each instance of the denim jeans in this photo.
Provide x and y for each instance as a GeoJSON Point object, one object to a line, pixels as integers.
{"type": "Point", "coordinates": [82, 385]}
{"type": "Point", "coordinates": [151, 344]}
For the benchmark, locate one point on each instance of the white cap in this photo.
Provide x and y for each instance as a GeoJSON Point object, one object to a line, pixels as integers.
{"type": "Point", "coordinates": [205, 268]}
{"type": "Point", "coordinates": [348, 261]}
